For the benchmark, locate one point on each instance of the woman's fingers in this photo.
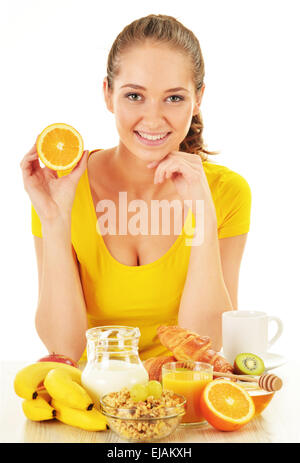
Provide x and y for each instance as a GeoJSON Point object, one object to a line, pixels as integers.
{"type": "Point", "coordinates": [188, 165]}
{"type": "Point", "coordinates": [50, 172]}
{"type": "Point", "coordinates": [80, 166]}
{"type": "Point", "coordinates": [172, 166]}
{"type": "Point", "coordinates": [29, 162]}
{"type": "Point", "coordinates": [33, 149]}
{"type": "Point", "coordinates": [152, 164]}
{"type": "Point", "coordinates": [30, 152]}
{"type": "Point", "coordinates": [163, 168]}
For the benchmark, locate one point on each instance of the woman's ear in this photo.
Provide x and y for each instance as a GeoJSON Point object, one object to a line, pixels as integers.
{"type": "Point", "coordinates": [198, 100]}
{"type": "Point", "coordinates": [107, 95]}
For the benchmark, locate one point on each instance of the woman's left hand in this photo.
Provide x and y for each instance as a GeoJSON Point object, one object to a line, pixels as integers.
{"type": "Point", "coordinates": [186, 172]}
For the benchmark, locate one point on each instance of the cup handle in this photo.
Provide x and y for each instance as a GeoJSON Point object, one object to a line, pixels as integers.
{"type": "Point", "coordinates": [278, 332]}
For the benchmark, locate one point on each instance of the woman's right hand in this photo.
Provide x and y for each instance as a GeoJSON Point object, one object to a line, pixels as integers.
{"type": "Point", "coordinates": [52, 197]}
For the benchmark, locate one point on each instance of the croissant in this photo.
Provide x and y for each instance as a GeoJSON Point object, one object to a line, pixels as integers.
{"type": "Point", "coordinates": [187, 345]}
{"type": "Point", "coordinates": [184, 344]}
{"type": "Point", "coordinates": [154, 365]}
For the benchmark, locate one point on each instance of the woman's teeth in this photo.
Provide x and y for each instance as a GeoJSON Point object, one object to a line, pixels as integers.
{"type": "Point", "coordinates": [152, 137]}
{"type": "Point", "coordinates": [152, 140]}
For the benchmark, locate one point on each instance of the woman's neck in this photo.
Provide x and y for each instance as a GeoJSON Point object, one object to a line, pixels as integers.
{"type": "Point", "coordinates": [133, 175]}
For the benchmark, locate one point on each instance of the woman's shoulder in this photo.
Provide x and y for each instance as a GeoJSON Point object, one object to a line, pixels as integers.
{"type": "Point", "coordinates": [97, 151]}
{"type": "Point", "coordinates": [217, 171]}
{"type": "Point", "coordinates": [221, 178]}
{"type": "Point", "coordinates": [99, 161]}
{"type": "Point", "coordinates": [98, 157]}
{"type": "Point", "coordinates": [232, 198]}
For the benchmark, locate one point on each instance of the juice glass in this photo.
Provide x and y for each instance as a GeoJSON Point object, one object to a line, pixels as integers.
{"type": "Point", "coordinates": [188, 379]}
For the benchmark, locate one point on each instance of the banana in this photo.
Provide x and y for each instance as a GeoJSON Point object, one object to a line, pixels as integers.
{"type": "Point", "coordinates": [38, 409]}
{"type": "Point", "coordinates": [92, 420]}
{"type": "Point", "coordinates": [28, 379]}
{"type": "Point", "coordinates": [44, 394]}
{"type": "Point", "coordinates": [63, 388]}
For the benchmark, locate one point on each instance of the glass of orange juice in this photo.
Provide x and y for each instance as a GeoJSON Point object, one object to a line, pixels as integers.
{"type": "Point", "coordinates": [188, 379]}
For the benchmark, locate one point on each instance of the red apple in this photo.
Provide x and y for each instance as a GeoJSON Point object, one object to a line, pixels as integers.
{"type": "Point", "coordinates": [55, 358]}
{"type": "Point", "coordinates": [58, 358]}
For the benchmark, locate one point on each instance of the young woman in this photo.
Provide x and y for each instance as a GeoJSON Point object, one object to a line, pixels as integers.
{"type": "Point", "coordinates": [90, 275]}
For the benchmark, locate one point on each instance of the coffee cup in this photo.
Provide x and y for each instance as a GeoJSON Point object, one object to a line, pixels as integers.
{"type": "Point", "coordinates": [247, 331]}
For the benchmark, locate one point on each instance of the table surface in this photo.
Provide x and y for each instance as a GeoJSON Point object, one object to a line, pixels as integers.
{"type": "Point", "coordinates": [278, 423]}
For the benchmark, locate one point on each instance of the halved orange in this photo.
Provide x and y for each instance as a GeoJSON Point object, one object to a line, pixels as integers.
{"type": "Point", "coordinates": [226, 405]}
{"type": "Point", "coordinates": [59, 146]}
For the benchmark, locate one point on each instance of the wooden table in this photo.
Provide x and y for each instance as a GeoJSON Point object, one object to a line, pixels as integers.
{"type": "Point", "coordinates": [278, 423]}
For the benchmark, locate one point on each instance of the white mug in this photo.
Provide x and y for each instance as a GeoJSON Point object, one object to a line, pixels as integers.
{"type": "Point", "coordinates": [247, 331]}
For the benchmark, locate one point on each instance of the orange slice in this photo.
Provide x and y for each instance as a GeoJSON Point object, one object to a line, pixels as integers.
{"type": "Point", "coordinates": [59, 146]}
{"type": "Point", "coordinates": [226, 405]}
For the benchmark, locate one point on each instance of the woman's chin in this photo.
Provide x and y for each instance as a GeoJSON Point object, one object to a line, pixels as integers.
{"type": "Point", "coordinates": [149, 155]}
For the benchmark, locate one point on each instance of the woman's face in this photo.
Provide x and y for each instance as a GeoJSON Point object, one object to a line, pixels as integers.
{"type": "Point", "coordinates": [153, 109]}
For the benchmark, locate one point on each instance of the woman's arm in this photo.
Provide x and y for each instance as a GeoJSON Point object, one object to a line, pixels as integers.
{"type": "Point", "coordinates": [219, 290]}
{"type": "Point", "coordinates": [61, 313]}
{"type": "Point", "coordinates": [61, 319]}
{"type": "Point", "coordinates": [205, 296]}
{"type": "Point", "coordinates": [231, 252]}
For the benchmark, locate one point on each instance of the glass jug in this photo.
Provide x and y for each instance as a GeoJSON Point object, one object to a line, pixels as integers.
{"type": "Point", "coordinates": [112, 360]}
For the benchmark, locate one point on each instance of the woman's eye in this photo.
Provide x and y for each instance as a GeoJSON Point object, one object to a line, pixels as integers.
{"type": "Point", "coordinates": [130, 94]}
{"type": "Point", "coordinates": [177, 96]}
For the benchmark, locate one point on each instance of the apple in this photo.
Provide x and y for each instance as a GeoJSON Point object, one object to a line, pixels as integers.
{"type": "Point", "coordinates": [58, 358]}
{"type": "Point", "coordinates": [55, 358]}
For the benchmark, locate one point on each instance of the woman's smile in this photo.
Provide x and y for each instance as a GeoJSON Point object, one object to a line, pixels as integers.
{"type": "Point", "coordinates": [151, 140]}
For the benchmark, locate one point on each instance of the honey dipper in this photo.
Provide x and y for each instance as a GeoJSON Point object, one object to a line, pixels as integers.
{"type": "Point", "coordinates": [267, 382]}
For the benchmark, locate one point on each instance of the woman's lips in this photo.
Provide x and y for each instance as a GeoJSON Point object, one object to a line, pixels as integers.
{"type": "Point", "coordinates": [147, 142]}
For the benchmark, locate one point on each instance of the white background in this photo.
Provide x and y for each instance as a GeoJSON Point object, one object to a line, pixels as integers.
{"type": "Point", "coordinates": [53, 61]}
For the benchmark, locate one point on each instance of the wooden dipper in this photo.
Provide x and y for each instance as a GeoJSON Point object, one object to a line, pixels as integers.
{"type": "Point", "coordinates": [270, 383]}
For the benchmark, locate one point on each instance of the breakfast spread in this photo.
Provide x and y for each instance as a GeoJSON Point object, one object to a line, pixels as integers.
{"type": "Point", "coordinates": [146, 401]}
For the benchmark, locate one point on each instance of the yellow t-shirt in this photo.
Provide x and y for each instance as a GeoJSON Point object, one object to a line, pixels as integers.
{"type": "Point", "coordinates": [148, 295]}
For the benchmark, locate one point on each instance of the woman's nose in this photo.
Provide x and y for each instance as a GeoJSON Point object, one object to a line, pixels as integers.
{"type": "Point", "coordinates": [154, 113]}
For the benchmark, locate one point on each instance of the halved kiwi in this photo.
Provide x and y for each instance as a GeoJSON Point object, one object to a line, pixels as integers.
{"type": "Point", "coordinates": [248, 364]}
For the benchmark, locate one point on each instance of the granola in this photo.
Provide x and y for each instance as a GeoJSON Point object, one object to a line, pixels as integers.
{"type": "Point", "coordinates": [145, 420]}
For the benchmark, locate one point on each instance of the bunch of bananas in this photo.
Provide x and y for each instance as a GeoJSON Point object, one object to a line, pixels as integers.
{"type": "Point", "coordinates": [62, 396]}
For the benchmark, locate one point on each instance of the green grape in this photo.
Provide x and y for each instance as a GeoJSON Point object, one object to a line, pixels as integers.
{"type": "Point", "coordinates": [154, 389]}
{"type": "Point", "coordinates": [139, 392]}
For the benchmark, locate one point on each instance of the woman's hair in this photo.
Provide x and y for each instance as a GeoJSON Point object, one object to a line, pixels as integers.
{"type": "Point", "coordinates": [166, 30]}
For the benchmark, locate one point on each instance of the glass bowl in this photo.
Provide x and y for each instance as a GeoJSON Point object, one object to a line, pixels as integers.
{"type": "Point", "coordinates": [135, 424]}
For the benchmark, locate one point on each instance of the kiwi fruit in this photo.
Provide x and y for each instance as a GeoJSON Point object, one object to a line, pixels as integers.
{"type": "Point", "coordinates": [248, 364]}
